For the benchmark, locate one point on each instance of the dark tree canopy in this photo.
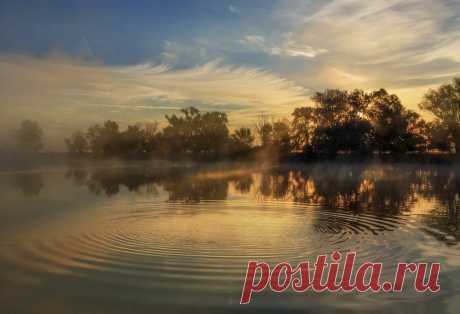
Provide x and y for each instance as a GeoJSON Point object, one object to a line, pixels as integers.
{"type": "Point", "coordinates": [281, 137]}
{"type": "Point", "coordinates": [264, 129]}
{"type": "Point", "coordinates": [241, 141]}
{"type": "Point", "coordinates": [29, 136]}
{"type": "Point", "coordinates": [444, 104]}
{"type": "Point", "coordinates": [200, 135]}
{"type": "Point", "coordinates": [303, 125]}
{"type": "Point", "coordinates": [335, 106]}
{"type": "Point", "coordinates": [397, 129]}
{"type": "Point", "coordinates": [336, 123]}
{"type": "Point", "coordinates": [340, 122]}
{"type": "Point", "coordinates": [104, 140]}
{"type": "Point", "coordinates": [354, 136]}
{"type": "Point", "coordinates": [357, 122]}
{"type": "Point", "coordinates": [77, 143]}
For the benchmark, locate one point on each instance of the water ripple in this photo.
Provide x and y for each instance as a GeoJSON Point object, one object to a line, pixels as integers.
{"type": "Point", "coordinates": [210, 240]}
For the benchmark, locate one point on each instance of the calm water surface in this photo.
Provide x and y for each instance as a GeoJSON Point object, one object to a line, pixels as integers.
{"type": "Point", "coordinates": [144, 239]}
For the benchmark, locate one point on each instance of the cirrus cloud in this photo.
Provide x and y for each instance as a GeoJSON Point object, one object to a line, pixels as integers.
{"type": "Point", "coordinates": [66, 93]}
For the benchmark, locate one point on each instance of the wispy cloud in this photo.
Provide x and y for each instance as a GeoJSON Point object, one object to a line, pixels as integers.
{"type": "Point", "coordinates": [402, 45]}
{"type": "Point", "coordinates": [62, 89]}
{"type": "Point", "coordinates": [234, 9]}
{"type": "Point", "coordinates": [405, 46]}
{"type": "Point", "coordinates": [394, 34]}
{"type": "Point", "coordinates": [288, 46]}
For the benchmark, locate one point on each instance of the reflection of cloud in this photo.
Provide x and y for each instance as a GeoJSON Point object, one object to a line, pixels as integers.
{"type": "Point", "coordinates": [58, 87]}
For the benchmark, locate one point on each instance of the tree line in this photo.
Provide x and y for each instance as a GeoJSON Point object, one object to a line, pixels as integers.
{"type": "Point", "coordinates": [339, 122]}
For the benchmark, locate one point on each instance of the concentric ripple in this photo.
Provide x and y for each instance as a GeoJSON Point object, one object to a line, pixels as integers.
{"type": "Point", "coordinates": [209, 241]}
{"type": "Point", "coordinates": [119, 244]}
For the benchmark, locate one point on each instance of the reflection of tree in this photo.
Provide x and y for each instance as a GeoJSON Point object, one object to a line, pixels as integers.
{"type": "Point", "coordinates": [77, 175]}
{"type": "Point", "coordinates": [110, 181]}
{"type": "Point", "coordinates": [30, 184]}
{"type": "Point", "coordinates": [357, 188]}
{"type": "Point", "coordinates": [275, 183]}
{"type": "Point", "coordinates": [384, 190]}
{"type": "Point", "coordinates": [443, 185]}
{"type": "Point", "coordinates": [340, 186]}
{"type": "Point", "coordinates": [243, 184]}
{"type": "Point", "coordinates": [394, 190]}
{"type": "Point", "coordinates": [190, 189]}
{"type": "Point", "coordinates": [181, 186]}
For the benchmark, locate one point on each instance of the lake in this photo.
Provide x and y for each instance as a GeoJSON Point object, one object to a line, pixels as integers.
{"type": "Point", "coordinates": [159, 238]}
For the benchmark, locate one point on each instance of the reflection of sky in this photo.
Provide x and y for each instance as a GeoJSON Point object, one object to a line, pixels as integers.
{"type": "Point", "coordinates": [425, 193]}
{"type": "Point", "coordinates": [118, 225]}
{"type": "Point", "coordinates": [134, 61]}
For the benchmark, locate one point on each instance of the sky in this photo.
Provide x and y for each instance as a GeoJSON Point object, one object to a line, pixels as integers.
{"type": "Point", "coordinates": [69, 64]}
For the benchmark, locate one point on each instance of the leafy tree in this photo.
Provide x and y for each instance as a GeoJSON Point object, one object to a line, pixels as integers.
{"type": "Point", "coordinates": [397, 130]}
{"type": "Point", "coordinates": [241, 141]}
{"type": "Point", "coordinates": [438, 137]}
{"type": "Point", "coordinates": [104, 140]}
{"type": "Point", "coordinates": [444, 104]}
{"type": "Point", "coordinates": [152, 138]}
{"type": "Point", "coordinates": [274, 136]}
{"type": "Point", "coordinates": [335, 106]}
{"type": "Point", "coordinates": [354, 136]}
{"type": "Point", "coordinates": [77, 143]}
{"type": "Point", "coordinates": [303, 126]}
{"type": "Point", "coordinates": [281, 140]}
{"type": "Point", "coordinates": [133, 142]}
{"type": "Point", "coordinates": [196, 134]}
{"type": "Point", "coordinates": [264, 129]}
{"type": "Point", "coordinates": [336, 123]}
{"type": "Point", "coordinates": [29, 136]}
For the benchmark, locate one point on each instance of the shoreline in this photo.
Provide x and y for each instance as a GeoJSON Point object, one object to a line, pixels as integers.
{"type": "Point", "coordinates": [21, 161]}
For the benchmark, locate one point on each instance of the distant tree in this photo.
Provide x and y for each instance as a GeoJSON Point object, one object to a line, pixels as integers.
{"type": "Point", "coordinates": [137, 141]}
{"type": "Point", "coordinates": [438, 137]}
{"type": "Point", "coordinates": [354, 136]}
{"type": "Point", "coordinates": [213, 135]}
{"type": "Point", "coordinates": [104, 140]}
{"type": "Point", "coordinates": [397, 130]}
{"type": "Point", "coordinates": [264, 129]}
{"type": "Point", "coordinates": [241, 141]}
{"type": "Point", "coordinates": [133, 142]}
{"type": "Point", "coordinates": [337, 122]}
{"type": "Point", "coordinates": [281, 139]}
{"type": "Point", "coordinates": [177, 135]}
{"type": "Point", "coordinates": [444, 104]}
{"type": "Point", "coordinates": [29, 136]}
{"type": "Point", "coordinates": [77, 143]}
{"type": "Point", "coordinates": [195, 134]}
{"type": "Point", "coordinates": [303, 126]}
{"type": "Point", "coordinates": [152, 137]}
{"type": "Point", "coordinates": [335, 106]}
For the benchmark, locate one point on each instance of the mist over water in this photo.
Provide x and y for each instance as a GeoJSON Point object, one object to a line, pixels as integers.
{"type": "Point", "coordinates": [138, 238]}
